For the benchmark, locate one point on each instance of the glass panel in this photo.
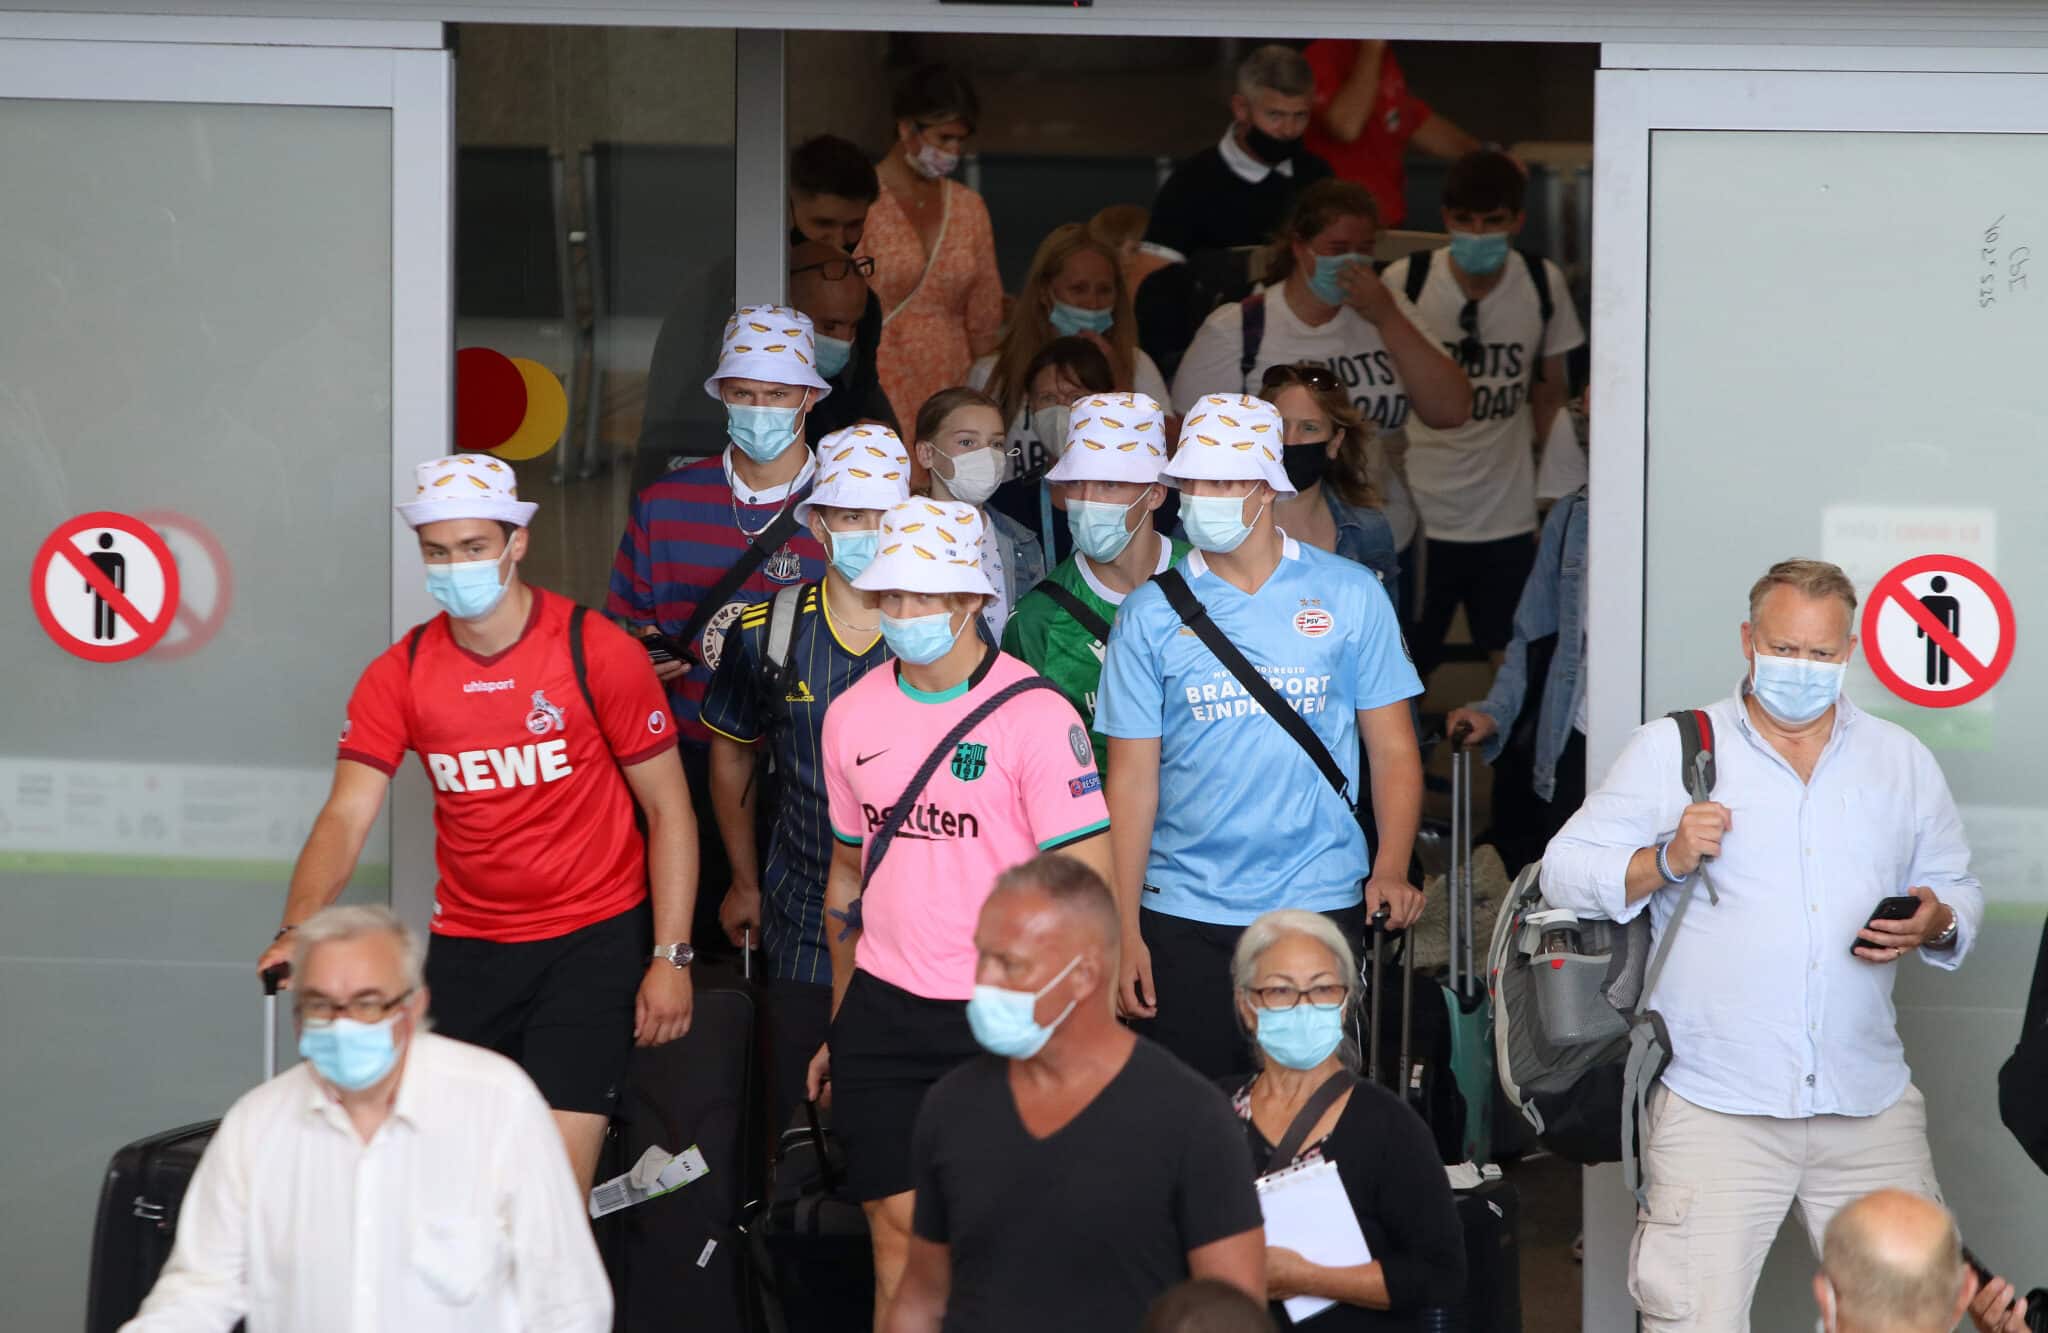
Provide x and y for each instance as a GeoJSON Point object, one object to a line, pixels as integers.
{"type": "Point", "coordinates": [194, 329]}
{"type": "Point", "coordinates": [621, 139]}
{"type": "Point", "coordinates": [1843, 363]}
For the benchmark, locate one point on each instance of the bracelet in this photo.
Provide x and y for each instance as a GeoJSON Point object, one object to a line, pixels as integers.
{"type": "Point", "coordinates": [282, 931]}
{"type": "Point", "coordinates": [1948, 933]}
{"type": "Point", "coordinates": [1664, 866]}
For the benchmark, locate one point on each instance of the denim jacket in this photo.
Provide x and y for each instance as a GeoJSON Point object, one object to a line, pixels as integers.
{"type": "Point", "coordinates": [1551, 604]}
{"type": "Point", "coordinates": [1365, 535]}
{"type": "Point", "coordinates": [1023, 556]}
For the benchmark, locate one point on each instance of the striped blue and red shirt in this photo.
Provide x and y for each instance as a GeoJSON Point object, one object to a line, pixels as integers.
{"type": "Point", "coordinates": [684, 532]}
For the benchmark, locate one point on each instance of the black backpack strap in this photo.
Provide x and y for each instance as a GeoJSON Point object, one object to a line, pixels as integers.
{"type": "Point", "coordinates": [1539, 274]}
{"type": "Point", "coordinates": [412, 643]}
{"type": "Point", "coordinates": [766, 543]}
{"type": "Point", "coordinates": [1418, 274]}
{"type": "Point", "coordinates": [1696, 752]}
{"type": "Point", "coordinates": [900, 809]}
{"type": "Point", "coordinates": [1084, 615]}
{"type": "Point", "coordinates": [579, 658]}
{"type": "Point", "coordinates": [1305, 1120]}
{"type": "Point", "coordinates": [1196, 617]}
{"type": "Point", "coordinates": [1254, 308]}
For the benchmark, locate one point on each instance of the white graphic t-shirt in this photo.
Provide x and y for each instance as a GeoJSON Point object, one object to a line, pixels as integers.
{"type": "Point", "coordinates": [1347, 344]}
{"type": "Point", "coordinates": [1478, 483]}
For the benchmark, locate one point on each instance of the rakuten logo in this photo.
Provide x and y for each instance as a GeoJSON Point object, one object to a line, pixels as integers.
{"type": "Point", "coordinates": [487, 770]}
{"type": "Point", "coordinates": [487, 686]}
{"type": "Point", "coordinates": [925, 821]}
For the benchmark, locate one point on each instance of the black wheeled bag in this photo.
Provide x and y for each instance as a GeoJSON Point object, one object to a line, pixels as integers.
{"type": "Point", "coordinates": [810, 1237]}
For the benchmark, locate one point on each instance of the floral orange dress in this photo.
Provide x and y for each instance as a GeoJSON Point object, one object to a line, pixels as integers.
{"type": "Point", "coordinates": [937, 316]}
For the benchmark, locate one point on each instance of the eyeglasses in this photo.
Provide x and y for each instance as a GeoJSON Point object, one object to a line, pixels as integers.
{"type": "Point", "coordinates": [1314, 376]}
{"type": "Point", "coordinates": [362, 1008]}
{"type": "Point", "coordinates": [1326, 996]}
{"type": "Point", "coordinates": [1470, 350]}
{"type": "Point", "coordinates": [836, 270]}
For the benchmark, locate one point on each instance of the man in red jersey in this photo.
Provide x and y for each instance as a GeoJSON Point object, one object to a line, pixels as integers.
{"type": "Point", "coordinates": [544, 944]}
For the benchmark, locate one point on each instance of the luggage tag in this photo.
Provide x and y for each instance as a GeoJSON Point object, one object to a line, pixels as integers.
{"type": "Point", "coordinates": [658, 1172]}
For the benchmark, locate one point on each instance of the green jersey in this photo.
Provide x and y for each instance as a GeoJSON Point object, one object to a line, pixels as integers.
{"type": "Point", "coordinates": [1056, 646]}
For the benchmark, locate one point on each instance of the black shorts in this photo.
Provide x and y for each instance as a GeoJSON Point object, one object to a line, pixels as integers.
{"type": "Point", "coordinates": [1486, 578]}
{"type": "Point", "coordinates": [562, 1008]}
{"type": "Point", "coordinates": [888, 1048]}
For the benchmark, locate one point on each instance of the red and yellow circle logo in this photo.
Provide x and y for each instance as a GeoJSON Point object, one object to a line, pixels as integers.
{"type": "Point", "coordinates": [507, 406]}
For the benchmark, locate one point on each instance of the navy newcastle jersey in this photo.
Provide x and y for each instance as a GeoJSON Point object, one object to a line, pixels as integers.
{"type": "Point", "coordinates": [825, 660]}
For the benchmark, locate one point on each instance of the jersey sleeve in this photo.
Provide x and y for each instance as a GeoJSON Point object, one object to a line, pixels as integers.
{"type": "Point", "coordinates": [1058, 784]}
{"type": "Point", "coordinates": [632, 711]}
{"type": "Point", "coordinates": [1211, 362]}
{"type": "Point", "coordinates": [1565, 331]}
{"type": "Point", "coordinates": [630, 596]}
{"type": "Point", "coordinates": [1329, 61]}
{"type": "Point", "coordinates": [1385, 673]}
{"type": "Point", "coordinates": [1130, 702]}
{"type": "Point", "coordinates": [842, 807]}
{"type": "Point", "coordinates": [377, 730]}
{"type": "Point", "coordinates": [732, 702]}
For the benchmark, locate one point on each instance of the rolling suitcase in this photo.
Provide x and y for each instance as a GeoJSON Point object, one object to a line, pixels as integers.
{"type": "Point", "coordinates": [678, 1260]}
{"type": "Point", "coordinates": [1490, 1215]}
{"type": "Point", "coordinates": [1465, 993]}
{"type": "Point", "coordinates": [1419, 1029]}
{"type": "Point", "coordinates": [810, 1237]}
{"type": "Point", "coordinates": [139, 1200]}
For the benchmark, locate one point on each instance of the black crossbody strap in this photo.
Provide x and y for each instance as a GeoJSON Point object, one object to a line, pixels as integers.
{"type": "Point", "coordinates": [1308, 1117]}
{"type": "Point", "coordinates": [1196, 617]}
{"type": "Point", "coordinates": [766, 543]}
{"type": "Point", "coordinates": [1084, 615]}
{"type": "Point", "coordinates": [900, 810]}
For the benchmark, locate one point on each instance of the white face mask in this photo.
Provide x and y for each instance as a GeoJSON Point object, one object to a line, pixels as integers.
{"type": "Point", "coordinates": [976, 474]}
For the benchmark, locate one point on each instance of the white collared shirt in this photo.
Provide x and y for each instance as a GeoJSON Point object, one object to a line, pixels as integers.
{"type": "Point", "coordinates": [1243, 165]}
{"type": "Point", "coordinates": [1769, 1013]}
{"type": "Point", "coordinates": [460, 1213]}
{"type": "Point", "coordinates": [773, 495]}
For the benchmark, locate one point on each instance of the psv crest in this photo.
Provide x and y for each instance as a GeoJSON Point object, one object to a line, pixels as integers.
{"type": "Point", "coordinates": [970, 761]}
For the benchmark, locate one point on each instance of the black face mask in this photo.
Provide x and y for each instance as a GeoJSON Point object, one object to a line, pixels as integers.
{"type": "Point", "coordinates": [1268, 148]}
{"type": "Point", "coordinates": [1306, 464]}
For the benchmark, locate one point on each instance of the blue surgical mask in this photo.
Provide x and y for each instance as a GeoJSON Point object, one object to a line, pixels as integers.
{"type": "Point", "coordinates": [854, 551]}
{"type": "Point", "coordinates": [762, 433]}
{"type": "Point", "coordinates": [921, 640]}
{"type": "Point", "coordinates": [833, 354]}
{"type": "Point", "coordinates": [469, 589]}
{"type": "Point", "coordinates": [1005, 1022]}
{"type": "Point", "coordinates": [1098, 528]}
{"type": "Point", "coordinates": [1794, 690]}
{"type": "Point", "coordinates": [1069, 320]}
{"type": "Point", "coordinates": [348, 1054]}
{"type": "Point", "coordinates": [1323, 282]}
{"type": "Point", "coordinates": [1216, 522]}
{"type": "Point", "coordinates": [1301, 1037]}
{"type": "Point", "coordinates": [1479, 253]}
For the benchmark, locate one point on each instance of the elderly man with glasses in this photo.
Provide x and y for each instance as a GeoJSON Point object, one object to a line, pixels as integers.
{"type": "Point", "coordinates": [396, 1179]}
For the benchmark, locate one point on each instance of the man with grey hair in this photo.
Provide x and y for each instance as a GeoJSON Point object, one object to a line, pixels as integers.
{"type": "Point", "coordinates": [395, 1179]}
{"type": "Point", "coordinates": [1076, 1171]}
{"type": "Point", "coordinates": [1891, 1262]}
{"type": "Point", "coordinates": [1239, 191]}
{"type": "Point", "coordinates": [1787, 1082]}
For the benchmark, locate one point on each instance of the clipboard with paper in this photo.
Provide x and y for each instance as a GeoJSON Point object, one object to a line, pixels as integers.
{"type": "Point", "coordinates": [1307, 1211]}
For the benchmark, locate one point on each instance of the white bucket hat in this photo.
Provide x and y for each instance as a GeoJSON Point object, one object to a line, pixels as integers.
{"type": "Point", "coordinates": [772, 343]}
{"type": "Point", "coordinates": [465, 486]}
{"type": "Point", "coordinates": [1113, 437]}
{"type": "Point", "coordinates": [860, 467]}
{"type": "Point", "coordinates": [931, 546]}
{"type": "Point", "coordinates": [1230, 437]}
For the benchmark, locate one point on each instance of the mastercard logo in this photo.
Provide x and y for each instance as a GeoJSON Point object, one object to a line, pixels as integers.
{"type": "Point", "coordinates": [510, 407]}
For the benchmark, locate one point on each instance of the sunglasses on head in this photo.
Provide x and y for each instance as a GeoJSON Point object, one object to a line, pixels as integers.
{"type": "Point", "coordinates": [1470, 350]}
{"type": "Point", "coordinates": [1314, 376]}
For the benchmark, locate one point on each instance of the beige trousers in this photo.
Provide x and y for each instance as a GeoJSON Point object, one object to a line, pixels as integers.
{"type": "Point", "coordinates": [1719, 1186]}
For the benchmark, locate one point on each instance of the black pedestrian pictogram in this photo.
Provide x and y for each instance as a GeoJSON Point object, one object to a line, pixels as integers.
{"type": "Point", "coordinates": [106, 624]}
{"type": "Point", "coordinates": [1949, 611]}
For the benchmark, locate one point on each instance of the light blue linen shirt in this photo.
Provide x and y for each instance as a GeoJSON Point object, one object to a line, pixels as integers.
{"type": "Point", "coordinates": [1768, 1011]}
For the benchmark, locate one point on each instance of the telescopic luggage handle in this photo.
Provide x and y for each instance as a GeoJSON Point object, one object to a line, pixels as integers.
{"type": "Point", "coordinates": [274, 978]}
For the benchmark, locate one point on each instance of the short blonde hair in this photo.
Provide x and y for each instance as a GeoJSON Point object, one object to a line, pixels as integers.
{"type": "Point", "coordinates": [1813, 579]}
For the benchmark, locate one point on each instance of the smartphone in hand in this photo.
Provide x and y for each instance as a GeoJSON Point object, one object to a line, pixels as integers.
{"type": "Point", "coordinates": [661, 649]}
{"type": "Point", "coordinates": [1898, 907]}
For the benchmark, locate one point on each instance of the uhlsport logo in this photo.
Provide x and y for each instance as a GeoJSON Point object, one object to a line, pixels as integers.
{"type": "Point", "coordinates": [970, 761]}
{"type": "Point", "coordinates": [545, 717]}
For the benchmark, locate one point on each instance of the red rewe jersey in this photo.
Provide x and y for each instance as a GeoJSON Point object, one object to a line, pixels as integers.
{"type": "Point", "coordinates": [534, 829]}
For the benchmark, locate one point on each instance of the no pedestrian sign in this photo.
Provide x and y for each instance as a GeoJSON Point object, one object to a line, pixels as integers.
{"type": "Point", "coordinates": [104, 587]}
{"type": "Point", "coordinates": [1938, 631]}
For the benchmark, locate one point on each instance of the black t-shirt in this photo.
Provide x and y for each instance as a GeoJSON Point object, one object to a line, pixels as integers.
{"type": "Point", "coordinates": [1204, 205]}
{"type": "Point", "coordinates": [1082, 1230]}
{"type": "Point", "coordinates": [1388, 1162]}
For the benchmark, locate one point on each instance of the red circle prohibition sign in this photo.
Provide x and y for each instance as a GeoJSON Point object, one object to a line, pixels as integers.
{"type": "Point", "coordinates": [58, 546]}
{"type": "Point", "coordinates": [1892, 589]}
{"type": "Point", "coordinates": [199, 629]}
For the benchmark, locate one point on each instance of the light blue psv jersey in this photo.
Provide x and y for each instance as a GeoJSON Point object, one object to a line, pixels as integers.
{"type": "Point", "coordinates": [1246, 821]}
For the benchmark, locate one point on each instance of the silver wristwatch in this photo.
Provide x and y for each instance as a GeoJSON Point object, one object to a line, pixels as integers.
{"type": "Point", "coordinates": [1949, 932]}
{"type": "Point", "coordinates": [678, 955]}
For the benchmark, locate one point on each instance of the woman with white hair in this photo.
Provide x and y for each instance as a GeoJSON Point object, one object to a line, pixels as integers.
{"type": "Point", "coordinates": [1297, 986]}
